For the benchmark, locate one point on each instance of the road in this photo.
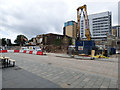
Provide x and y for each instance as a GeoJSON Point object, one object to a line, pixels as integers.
{"type": "Point", "coordinates": [69, 72]}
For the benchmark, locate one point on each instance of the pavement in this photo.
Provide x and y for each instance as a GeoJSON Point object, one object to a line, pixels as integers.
{"type": "Point", "coordinates": [82, 57]}
{"type": "Point", "coordinates": [16, 77]}
{"type": "Point", "coordinates": [62, 72]}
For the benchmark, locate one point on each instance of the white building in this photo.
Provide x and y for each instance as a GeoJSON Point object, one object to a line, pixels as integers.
{"type": "Point", "coordinates": [99, 24]}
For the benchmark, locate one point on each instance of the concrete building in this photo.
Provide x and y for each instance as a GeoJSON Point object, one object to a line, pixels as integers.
{"type": "Point", "coordinates": [70, 29]}
{"type": "Point", "coordinates": [116, 31]}
{"type": "Point", "coordinates": [99, 24]}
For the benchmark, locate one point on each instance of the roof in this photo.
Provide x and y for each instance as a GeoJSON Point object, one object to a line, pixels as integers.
{"type": "Point", "coordinates": [50, 34]}
{"type": "Point", "coordinates": [70, 21]}
{"type": "Point", "coordinates": [99, 13]}
{"type": "Point", "coordinates": [53, 34]}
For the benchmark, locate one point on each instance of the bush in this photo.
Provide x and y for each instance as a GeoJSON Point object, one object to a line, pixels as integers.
{"type": "Point", "coordinates": [57, 42]}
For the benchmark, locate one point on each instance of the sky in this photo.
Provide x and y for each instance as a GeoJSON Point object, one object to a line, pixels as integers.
{"type": "Point", "coordinates": [35, 17]}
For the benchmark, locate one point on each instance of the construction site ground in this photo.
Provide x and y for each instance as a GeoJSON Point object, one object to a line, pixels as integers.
{"type": "Point", "coordinates": [54, 71]}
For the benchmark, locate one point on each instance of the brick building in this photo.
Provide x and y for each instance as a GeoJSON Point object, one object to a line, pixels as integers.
{"type": "Point", "coordinates": [53, 42]}
{"type": "Point", "coordinates": [48, 39]}
{"type": "Point", "coordinates": [70, 29]}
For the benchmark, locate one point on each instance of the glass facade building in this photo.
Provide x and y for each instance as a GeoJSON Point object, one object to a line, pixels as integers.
{"type": "Point", "coordinates": [99, 25]}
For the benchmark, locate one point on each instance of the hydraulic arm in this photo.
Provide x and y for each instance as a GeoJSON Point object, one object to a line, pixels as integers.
{"type": "Point", "coordinates": [87, 31]}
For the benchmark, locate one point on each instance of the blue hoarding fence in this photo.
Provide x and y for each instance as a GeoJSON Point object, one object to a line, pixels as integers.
{"type": "Point", "coordinates": [85, 47]}
{"type": "Point", "coordinates": [113, 51]}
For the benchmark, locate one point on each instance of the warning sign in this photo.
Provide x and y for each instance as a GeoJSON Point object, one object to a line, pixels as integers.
{"type": "Point", "coordinates": [31, 48]}
{"type": "Point", "coordinates": [80, 47]}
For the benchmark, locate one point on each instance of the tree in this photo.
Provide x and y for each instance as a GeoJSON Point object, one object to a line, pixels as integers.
{"type": "Point", "coordinates": [57, 42]}
{"type": "Point", "coordinates": [21, 40]}
{"type": "Point", "coordinates": [4, 41]}
{"type": "Point", "coordinates": [9, 42]}
{"type": "Point", "coordinates": [31, 40]}
{"type": "Point", "coordinates": [70, 41]}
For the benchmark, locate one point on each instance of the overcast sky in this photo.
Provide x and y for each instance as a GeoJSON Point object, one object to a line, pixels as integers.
{"type": "Point", "coordinates": [34, 17]}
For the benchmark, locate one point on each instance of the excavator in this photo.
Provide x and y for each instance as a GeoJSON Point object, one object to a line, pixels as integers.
{"type": "Point", "coordinates": [79, 12]}
{"type": "Point", "coordinates": [87, 45]}
{"type": "Point", "coordinates": [84, 46]}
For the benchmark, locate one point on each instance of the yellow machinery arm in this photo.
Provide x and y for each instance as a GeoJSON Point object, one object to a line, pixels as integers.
{"type": "Point", "coordinates": [87, 31]}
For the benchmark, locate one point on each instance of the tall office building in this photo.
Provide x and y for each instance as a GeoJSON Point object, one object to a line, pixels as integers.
{"type": "Point", "coordinates": [70, 29]}
{"type": "Point", "coordinates": [99, 24]}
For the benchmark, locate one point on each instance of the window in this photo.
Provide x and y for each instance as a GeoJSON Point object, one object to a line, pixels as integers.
{"type": "Point", "coordinates": [65, 24]}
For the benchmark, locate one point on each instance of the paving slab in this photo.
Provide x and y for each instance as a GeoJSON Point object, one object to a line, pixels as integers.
{"type": "Point", "coordinates": [18, 78]}
{"type": "Point", "coordinates": [67, 72]}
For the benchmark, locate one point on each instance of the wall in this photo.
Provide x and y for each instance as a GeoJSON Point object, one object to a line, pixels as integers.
{"type": "Point", "coordinates": [114, 32]}
{"type": "Point", "coordinates": [75, 30]}
{"type": "Point", "coordinates": [69, 31]}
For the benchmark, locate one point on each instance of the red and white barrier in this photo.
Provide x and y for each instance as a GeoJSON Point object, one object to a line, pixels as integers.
{"type": "Point", "coordinates": [3, 51]}
{"type": "Point", "coordinates": [10, 51]}
{"type": "Point", "coordinates": [30, 52]}
{"type": "Point", "coordinates": [16, 51]}
{"type": "Point", "coordinates": [22, 51]}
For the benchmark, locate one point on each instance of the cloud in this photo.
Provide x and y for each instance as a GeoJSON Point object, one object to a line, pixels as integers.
{"type": "Point", "coordinates": [34, 17]}
{"type": "Point", "coordinates": [119, 13]}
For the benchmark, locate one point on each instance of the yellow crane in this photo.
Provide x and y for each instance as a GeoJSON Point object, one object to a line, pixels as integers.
{"type": "Point", "coordinates": [79, 12]}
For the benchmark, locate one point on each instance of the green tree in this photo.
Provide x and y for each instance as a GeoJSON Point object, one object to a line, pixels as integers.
{"type": "Point", "coordinates": [70, 41]}
{"type": "Point", "coordinates": [31, 40]}
{"type": "Point", "coordinates": [4, 41]}
{"type": "Point", "coordinates": [21, 40]}
{"type": "Point", "coordinates": [9, 42]}
{"type": "Point", "coordinates": [57, 42]}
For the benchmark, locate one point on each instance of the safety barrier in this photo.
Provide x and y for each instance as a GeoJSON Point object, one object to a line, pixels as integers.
{"type": "Point", "coordinates": [30, 52]}
{"type": "Point", "coordinates": [39, 53]}
{"type": "Point", "coordinates": [22, 51]}
{"type": "Point", "coordinates": [3, 51]}
{"type": "Point", "coordinates": [16, 51]}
